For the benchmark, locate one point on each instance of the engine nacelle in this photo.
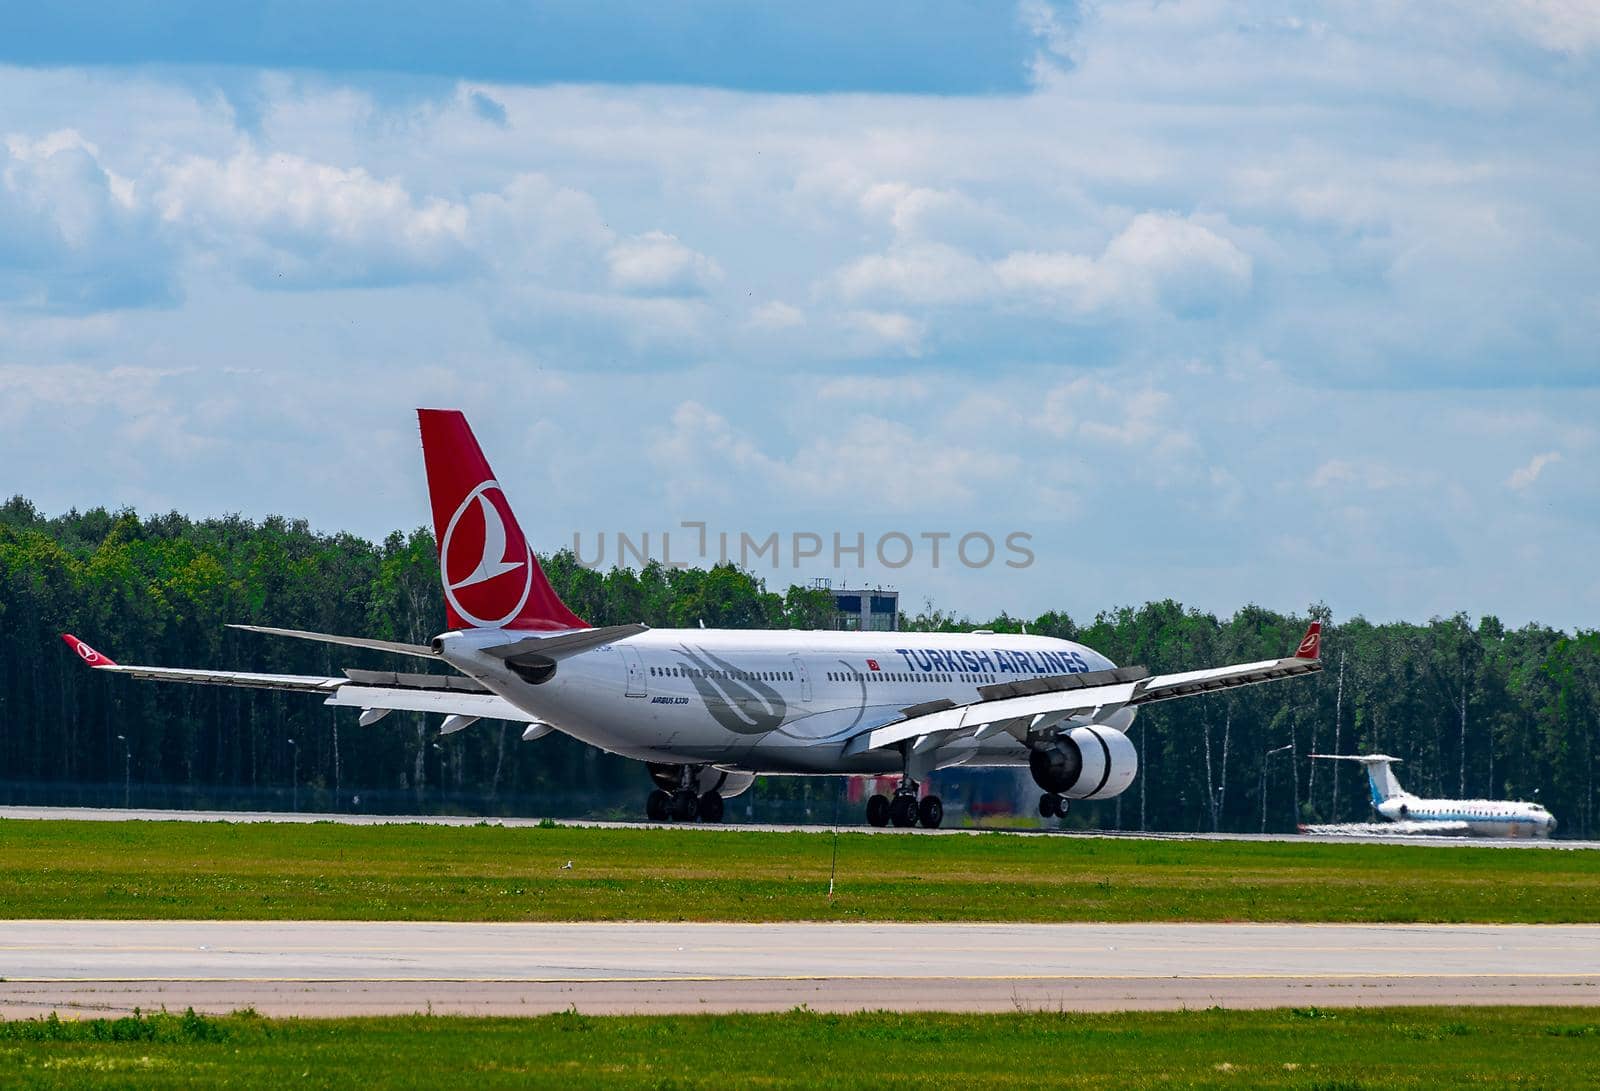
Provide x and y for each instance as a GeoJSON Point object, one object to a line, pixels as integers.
{"type": "Point", "coordinates": [1095, 762]}
{"type": "Point", "coordinates": [710, 779]}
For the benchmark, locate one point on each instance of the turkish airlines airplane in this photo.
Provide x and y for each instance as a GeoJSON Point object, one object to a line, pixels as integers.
{"type": "Point", "coordinates": [1475, 817]}
{"type": "Point", "coordinates": [708, 709]}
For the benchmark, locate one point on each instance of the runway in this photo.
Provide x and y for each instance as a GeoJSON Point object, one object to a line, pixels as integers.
{"type": "Point", "coordinates": [345, 968]}
{"type": "Point", "coordinates": [117, 814]}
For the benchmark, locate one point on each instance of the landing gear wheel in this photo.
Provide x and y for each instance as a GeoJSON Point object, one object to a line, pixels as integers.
{"type": "Point", "coordinates": [656, 806]}
{"type": "Point", "coordinates": [685, 805]}
{"type": "Point", "coordinates": [903, 811]}
{"type": "Point", "coordinates": [1052, 806]}
{"type": "Point", "coordinates": [711, 807]}
{"type": "Point", "coordinates": [878, 810]}
{"type": "Point", "coordinates": [930, 812]}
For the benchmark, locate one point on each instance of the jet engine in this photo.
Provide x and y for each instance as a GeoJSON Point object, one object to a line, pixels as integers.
{"type": "Point", "coordinates": [1094, 762]}
{"type": "Point", "coordinates": [710, 779]}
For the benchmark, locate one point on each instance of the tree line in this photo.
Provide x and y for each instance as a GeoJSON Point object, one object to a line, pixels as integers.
{"type": "Point", "coordinates": [1474, 709]}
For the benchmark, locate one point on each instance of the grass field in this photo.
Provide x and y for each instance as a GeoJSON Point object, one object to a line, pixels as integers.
{"type": "Point", "coordinates": [325, 871]}
{"type": "Point", "coordinates": [1345, 1048]}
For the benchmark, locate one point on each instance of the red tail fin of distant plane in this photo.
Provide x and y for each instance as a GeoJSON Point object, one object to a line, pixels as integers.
{"type": "Point", "coordinates": [1310, 644]}
{"type": "Point", "coordinates": [86, 653]}
{"type": "Point", "coordinates": [491, 578]}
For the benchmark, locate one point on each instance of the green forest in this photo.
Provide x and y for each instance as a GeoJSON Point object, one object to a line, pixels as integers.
{"type": "Point", "coordinates": [1473, 708]}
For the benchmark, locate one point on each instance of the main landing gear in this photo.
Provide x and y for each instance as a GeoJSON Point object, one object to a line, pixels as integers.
{"type": "Point", "coordinates": [1053, 805]}
{"type": "Point", "coordinates": [683, 806]}
{"type": "Point", "coordinates": [677, 797]}
{"type": "Point", "coordinates": [905, 810]}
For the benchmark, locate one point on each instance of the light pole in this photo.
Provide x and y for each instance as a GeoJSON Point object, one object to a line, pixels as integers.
{"type": "Point", "coordinates": [1265, 761]}
{"type": "Point", "coordinates": [294, 776]}
{"type": "Point", "coordinates": [127, 770]}
{"type": "Point", "coordinates": [443, 754]}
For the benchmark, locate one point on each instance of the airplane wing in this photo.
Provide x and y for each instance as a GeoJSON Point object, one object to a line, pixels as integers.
{"type": "Point", "coordinates": [366, 690]}
{"type": "Point", "coordinates": [1039, 703]}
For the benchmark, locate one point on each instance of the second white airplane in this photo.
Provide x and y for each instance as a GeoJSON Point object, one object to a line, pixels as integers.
{"type": "Point", "coordinates": [709, 709]}
{"type": "Point", "coordinates": [1473, 817]}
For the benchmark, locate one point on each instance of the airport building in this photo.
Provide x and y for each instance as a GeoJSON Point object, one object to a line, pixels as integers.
{"type": "Point", "coordinates": [863, 609]}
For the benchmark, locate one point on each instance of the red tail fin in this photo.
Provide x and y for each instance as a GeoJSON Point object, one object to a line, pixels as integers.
{"type": "Point", "coordinates": [86, 653]}
{"type": "Point", "coordinates": [1310, 644]}
{"type": "Point", "coordinates": [491, 578]}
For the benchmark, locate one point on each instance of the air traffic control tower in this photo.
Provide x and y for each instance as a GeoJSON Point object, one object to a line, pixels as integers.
{"type": "Point", "coordinates": [863, 609]}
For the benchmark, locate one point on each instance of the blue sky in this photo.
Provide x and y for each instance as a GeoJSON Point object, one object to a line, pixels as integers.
{"type": "Point", "coordinates": [915, 46]}
{"type": "Point", "coordinates": [1223, 302]}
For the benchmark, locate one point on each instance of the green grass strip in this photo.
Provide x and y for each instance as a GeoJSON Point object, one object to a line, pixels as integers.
{"type": "Point", "coordinates": [131, 870]}
{"type": "Point", "coordinates": [1380, 1048]}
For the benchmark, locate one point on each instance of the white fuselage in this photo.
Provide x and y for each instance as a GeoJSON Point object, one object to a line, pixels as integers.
{"type": "Point", "coordinates": [774, 701]}
{"type": "Point", "coordinates": [1483, 817]}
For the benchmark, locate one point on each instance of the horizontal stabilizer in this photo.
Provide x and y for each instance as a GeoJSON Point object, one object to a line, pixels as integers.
{"type": "Point", "coordinates": [565, 645]}
{"type": "Point", "coordinates": [420, 650]}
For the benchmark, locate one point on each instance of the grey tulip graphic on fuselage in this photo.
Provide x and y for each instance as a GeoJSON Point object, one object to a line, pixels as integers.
{"type": "Point", "coordinates": [740, 703]}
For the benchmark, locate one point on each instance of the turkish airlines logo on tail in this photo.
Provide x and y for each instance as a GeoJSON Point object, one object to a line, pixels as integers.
{"type": "Point", "coordinates": [89, 654]}
{"type": "Point", "coordinates": [485, 563]}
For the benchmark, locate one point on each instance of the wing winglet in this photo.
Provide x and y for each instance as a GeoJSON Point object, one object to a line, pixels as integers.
{"type": "Point", "coordinates": [1310, 644]}
{"type": "Point", "coordinates": [86, 653]}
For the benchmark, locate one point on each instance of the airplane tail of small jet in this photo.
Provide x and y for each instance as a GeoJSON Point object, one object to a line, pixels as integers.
{"type": "Point", "coordinates": [1380, 774]}
{"type": "Point", "coordinates": [490, 576]}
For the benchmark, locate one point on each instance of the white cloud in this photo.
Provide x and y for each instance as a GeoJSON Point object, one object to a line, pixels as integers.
{"type": "Point", "coordinates": [1564, 26]}
{"type": "Point", "coordinates": [1101, 412]}
{"type": "Point", "coordinates": [868, 457]}
{"type": "Point", "coordinates": [859, 388]}
{"type": "Point", "coordinates": [534, 228]}
{"type": "Point", "coordinates": [776, 315]}
{"type": "Point", "coordinates": [1158, 261]}
{"type": "Point", "coordinates": [1524, 476]}
{"type": "Point", "coordinates": [1366, 473]}
{"type": "Point", "coordinates": [928, 274]}
{"type": "Point", "coordinates": [77, 236]}
{"type": "Point", "coordinates": [874, 332]}
{"type": "Point", "coordinates": [291, 222]}
{"type": "Point", "coordinates": [657, 263]}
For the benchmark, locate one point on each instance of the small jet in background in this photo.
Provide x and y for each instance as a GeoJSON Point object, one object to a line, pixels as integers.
{"type": "Point", "coordinates": [1445, 817]}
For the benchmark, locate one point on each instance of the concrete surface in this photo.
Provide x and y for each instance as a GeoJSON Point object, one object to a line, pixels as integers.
{"type": "Point", "coordinates": [328, 968]}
